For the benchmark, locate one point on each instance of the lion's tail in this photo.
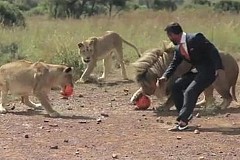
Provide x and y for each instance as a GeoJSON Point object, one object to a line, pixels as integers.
{"type": "Point", "coordinates": [234, 93]}
{"type": "Point", "coordinates": [130, 44]}
{"type": "Point", "coordinates": [234, 87]}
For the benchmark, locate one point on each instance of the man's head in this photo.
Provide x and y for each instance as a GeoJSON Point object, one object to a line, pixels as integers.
{"type": "Point", "coordinates": [174, 32]}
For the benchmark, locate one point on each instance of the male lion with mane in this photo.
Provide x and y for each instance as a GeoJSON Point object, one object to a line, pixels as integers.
{"type": "Point", "coordinates": [25, 78]}
{"type": "Point", "coordinates": [101, 48]}
{"type": "Point", "coordinates": [153, 64]}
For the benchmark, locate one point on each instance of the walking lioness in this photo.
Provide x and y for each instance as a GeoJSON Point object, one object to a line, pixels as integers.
{"type": "Point", "coordinates": [25, 78]}
{"type": "Point", "coordinates": [101, 48]}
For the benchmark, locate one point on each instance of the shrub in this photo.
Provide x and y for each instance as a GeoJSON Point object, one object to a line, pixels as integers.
{"type": "Point", "coordinates": [232, 6]}
{"type": "Point", "coordinates": [69, 58]}
{"type": "Point", "coordinates": [10, 15]}
{"type": "Point", "coordinates": [164, 4]}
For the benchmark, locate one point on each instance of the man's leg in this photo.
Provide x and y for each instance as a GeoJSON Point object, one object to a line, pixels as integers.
{"type": "Point", "coordinates": [178, 88]}
{"type": "Point", "coordinates": [195, 88]}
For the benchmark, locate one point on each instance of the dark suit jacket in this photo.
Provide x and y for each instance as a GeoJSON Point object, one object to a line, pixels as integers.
{"type": "Point", "coordinates": [203, 55]}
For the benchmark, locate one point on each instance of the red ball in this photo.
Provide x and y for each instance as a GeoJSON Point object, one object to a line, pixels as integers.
{"type": "Point", "coordinates": [143, 102]}
{"type": "Point", "coordinates": [68, 91]}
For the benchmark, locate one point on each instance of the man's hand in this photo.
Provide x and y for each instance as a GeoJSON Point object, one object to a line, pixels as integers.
{"type": "Point", "coordinates": [160, 81]}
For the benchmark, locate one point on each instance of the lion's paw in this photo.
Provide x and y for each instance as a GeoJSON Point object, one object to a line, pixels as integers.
{"type": "Point", "coordinates": [38, 107]}
{"type": "Point", "coordinates": [2, 110]}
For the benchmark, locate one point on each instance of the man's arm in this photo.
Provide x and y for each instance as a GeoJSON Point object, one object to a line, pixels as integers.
{"type": "Point", "coordinates": [177, 59]}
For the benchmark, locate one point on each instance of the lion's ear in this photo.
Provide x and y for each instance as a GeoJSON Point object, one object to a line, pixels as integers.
{"type": "Point", "coordinates": [80, 45]}
{"type": "Point", "coordinates": [93, 40]}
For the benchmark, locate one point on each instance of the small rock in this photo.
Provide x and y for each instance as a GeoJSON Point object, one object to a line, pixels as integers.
{"type": "Point", "coordinates": [198, 115]}
{"type": "Point", "coordinates": [113, 99]}
{"type": "Point", "coordinates": [54, 147]}
{"type": "Point", "coordinates": [201, 158]}
{"type": "Point", "coordinates": [220, 152]}
{"type": "Point", "coordinates": [53, 125]}
{"type": "Point", "coordinates": [125, 90]}
{"type": "Point", "coordinates": [227, 114]}
{"type": "Point", "coordinates": [99, 120]}
{"type": "Point", "coordinates": [77, 153]}
{"type": "Point", "coordinates": [213, 154]}
{"type": "Point", "coordinates": [126, 93]}
{"type": "Point", "coordinates": [66, 140]}
{"type": "Point", "coordinates": [82, 106]}
{"type": "Point", "coordinates": [46, 120]}
{"type": "Point", "coordinates": [196, 131]}
{"type": "Point", "coordinates": [64, 98]}
{"type": "Point", "coordinates": [69, 108]}
{"type": "Point", "coordinates": [198, 125]}
{"type": "Point", "coordinates": [104, 115]}
{"type": "Point", "coordinates": [159, 120]}
{"type": "Point", "coordinates": [42, 127]}
{"type": "Point", "coordinates": [233, 123]}
{"type": "Point", "coordinates": [114, 155]}
{"type": "Point", "coordinates": [82, 121]}
{"type": "Point", "coordinates": [178, 137]}
{"type": "Point", "coordinates": [80, 95]}
{"type": "Point", "coordinates": [26, 136]}
{"type": "Point", "coordinates": [169, 123]}
{"type": "Point", "coordinates": [13, 107]}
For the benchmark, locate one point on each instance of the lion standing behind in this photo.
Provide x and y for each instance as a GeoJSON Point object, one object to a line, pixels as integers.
{"type": "Point", "coordinates": [101, 48]}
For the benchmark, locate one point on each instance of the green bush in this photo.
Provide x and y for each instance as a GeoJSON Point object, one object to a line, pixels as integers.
{"type": "Point", "coordinates": [231, 6]}
{"type": "Point", "coordinates": [9, 52]}
{"type": "Point", "coordinates": [164, 4]}
{"type": "Point", "coordinates": [202, 2]}
{"type": "Point", "coordinates": [10, 15]}
{"type": "Point", "coordinates": [71, 59]}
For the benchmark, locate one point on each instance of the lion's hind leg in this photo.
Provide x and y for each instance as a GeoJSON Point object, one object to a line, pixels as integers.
{"type": "Point", "coordinates": [26, 101]}
{"type": "Point", "coordinates": [208, 99]}
{"type": "Point", "coordinates": [223, 88]}
{"type": "Point", "coordinates": [4, 92]}
{"type": "Point", "coordinates": [121, 62]}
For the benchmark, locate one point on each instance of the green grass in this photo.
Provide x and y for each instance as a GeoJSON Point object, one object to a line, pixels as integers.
{"type": "Point", "coordinates": [44, 38]}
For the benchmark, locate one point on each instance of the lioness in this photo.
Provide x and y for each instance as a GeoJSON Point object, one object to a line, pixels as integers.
{"type": "Point", "coordinates": [154, 63]}
{"type": "Point", "coordinates": [101, 48]}
{"type": "Point", "coordinates": [25, 78]}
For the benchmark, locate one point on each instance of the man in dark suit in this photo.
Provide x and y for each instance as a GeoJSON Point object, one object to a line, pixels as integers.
{"type": "Point", "coordinates": [206, 62]}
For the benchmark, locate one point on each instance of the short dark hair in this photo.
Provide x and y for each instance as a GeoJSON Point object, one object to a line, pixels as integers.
{"type": "Point", "coordinates": [174, 27]}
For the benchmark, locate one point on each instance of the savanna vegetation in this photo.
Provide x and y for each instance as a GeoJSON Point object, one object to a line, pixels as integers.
{"type": "Point", "coordinates": [52, 30]}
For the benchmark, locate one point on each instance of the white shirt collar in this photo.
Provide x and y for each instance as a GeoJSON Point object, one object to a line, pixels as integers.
{"type": "Point", "coordinates": [183, 38]}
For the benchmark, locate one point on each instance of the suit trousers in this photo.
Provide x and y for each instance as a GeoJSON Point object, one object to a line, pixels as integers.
{"type": "Point", "coordinates": [186, 90]}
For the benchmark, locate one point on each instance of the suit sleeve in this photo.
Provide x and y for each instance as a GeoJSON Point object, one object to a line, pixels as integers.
{"type": "Point", "coordinates": [210, 50]}
{"type": "Point", "coordinates": [177, 59]}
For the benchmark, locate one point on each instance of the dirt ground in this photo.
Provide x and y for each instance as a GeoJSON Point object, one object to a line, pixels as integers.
{"type": "Point", "coordinates": [102, 125]}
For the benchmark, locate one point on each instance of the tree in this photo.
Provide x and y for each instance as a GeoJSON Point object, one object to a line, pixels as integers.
{"type": "Point", "coordinates": [10, 15]}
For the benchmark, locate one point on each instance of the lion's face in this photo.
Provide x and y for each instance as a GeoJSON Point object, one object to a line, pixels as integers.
{"type": "Point", "coordinates": [86, 50]}
{"type": "Point", "coordinates": [65, 78]}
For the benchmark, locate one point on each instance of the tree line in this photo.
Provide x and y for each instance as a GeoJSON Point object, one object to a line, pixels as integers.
{"type": "Point", "coordinates": [12, 12]}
